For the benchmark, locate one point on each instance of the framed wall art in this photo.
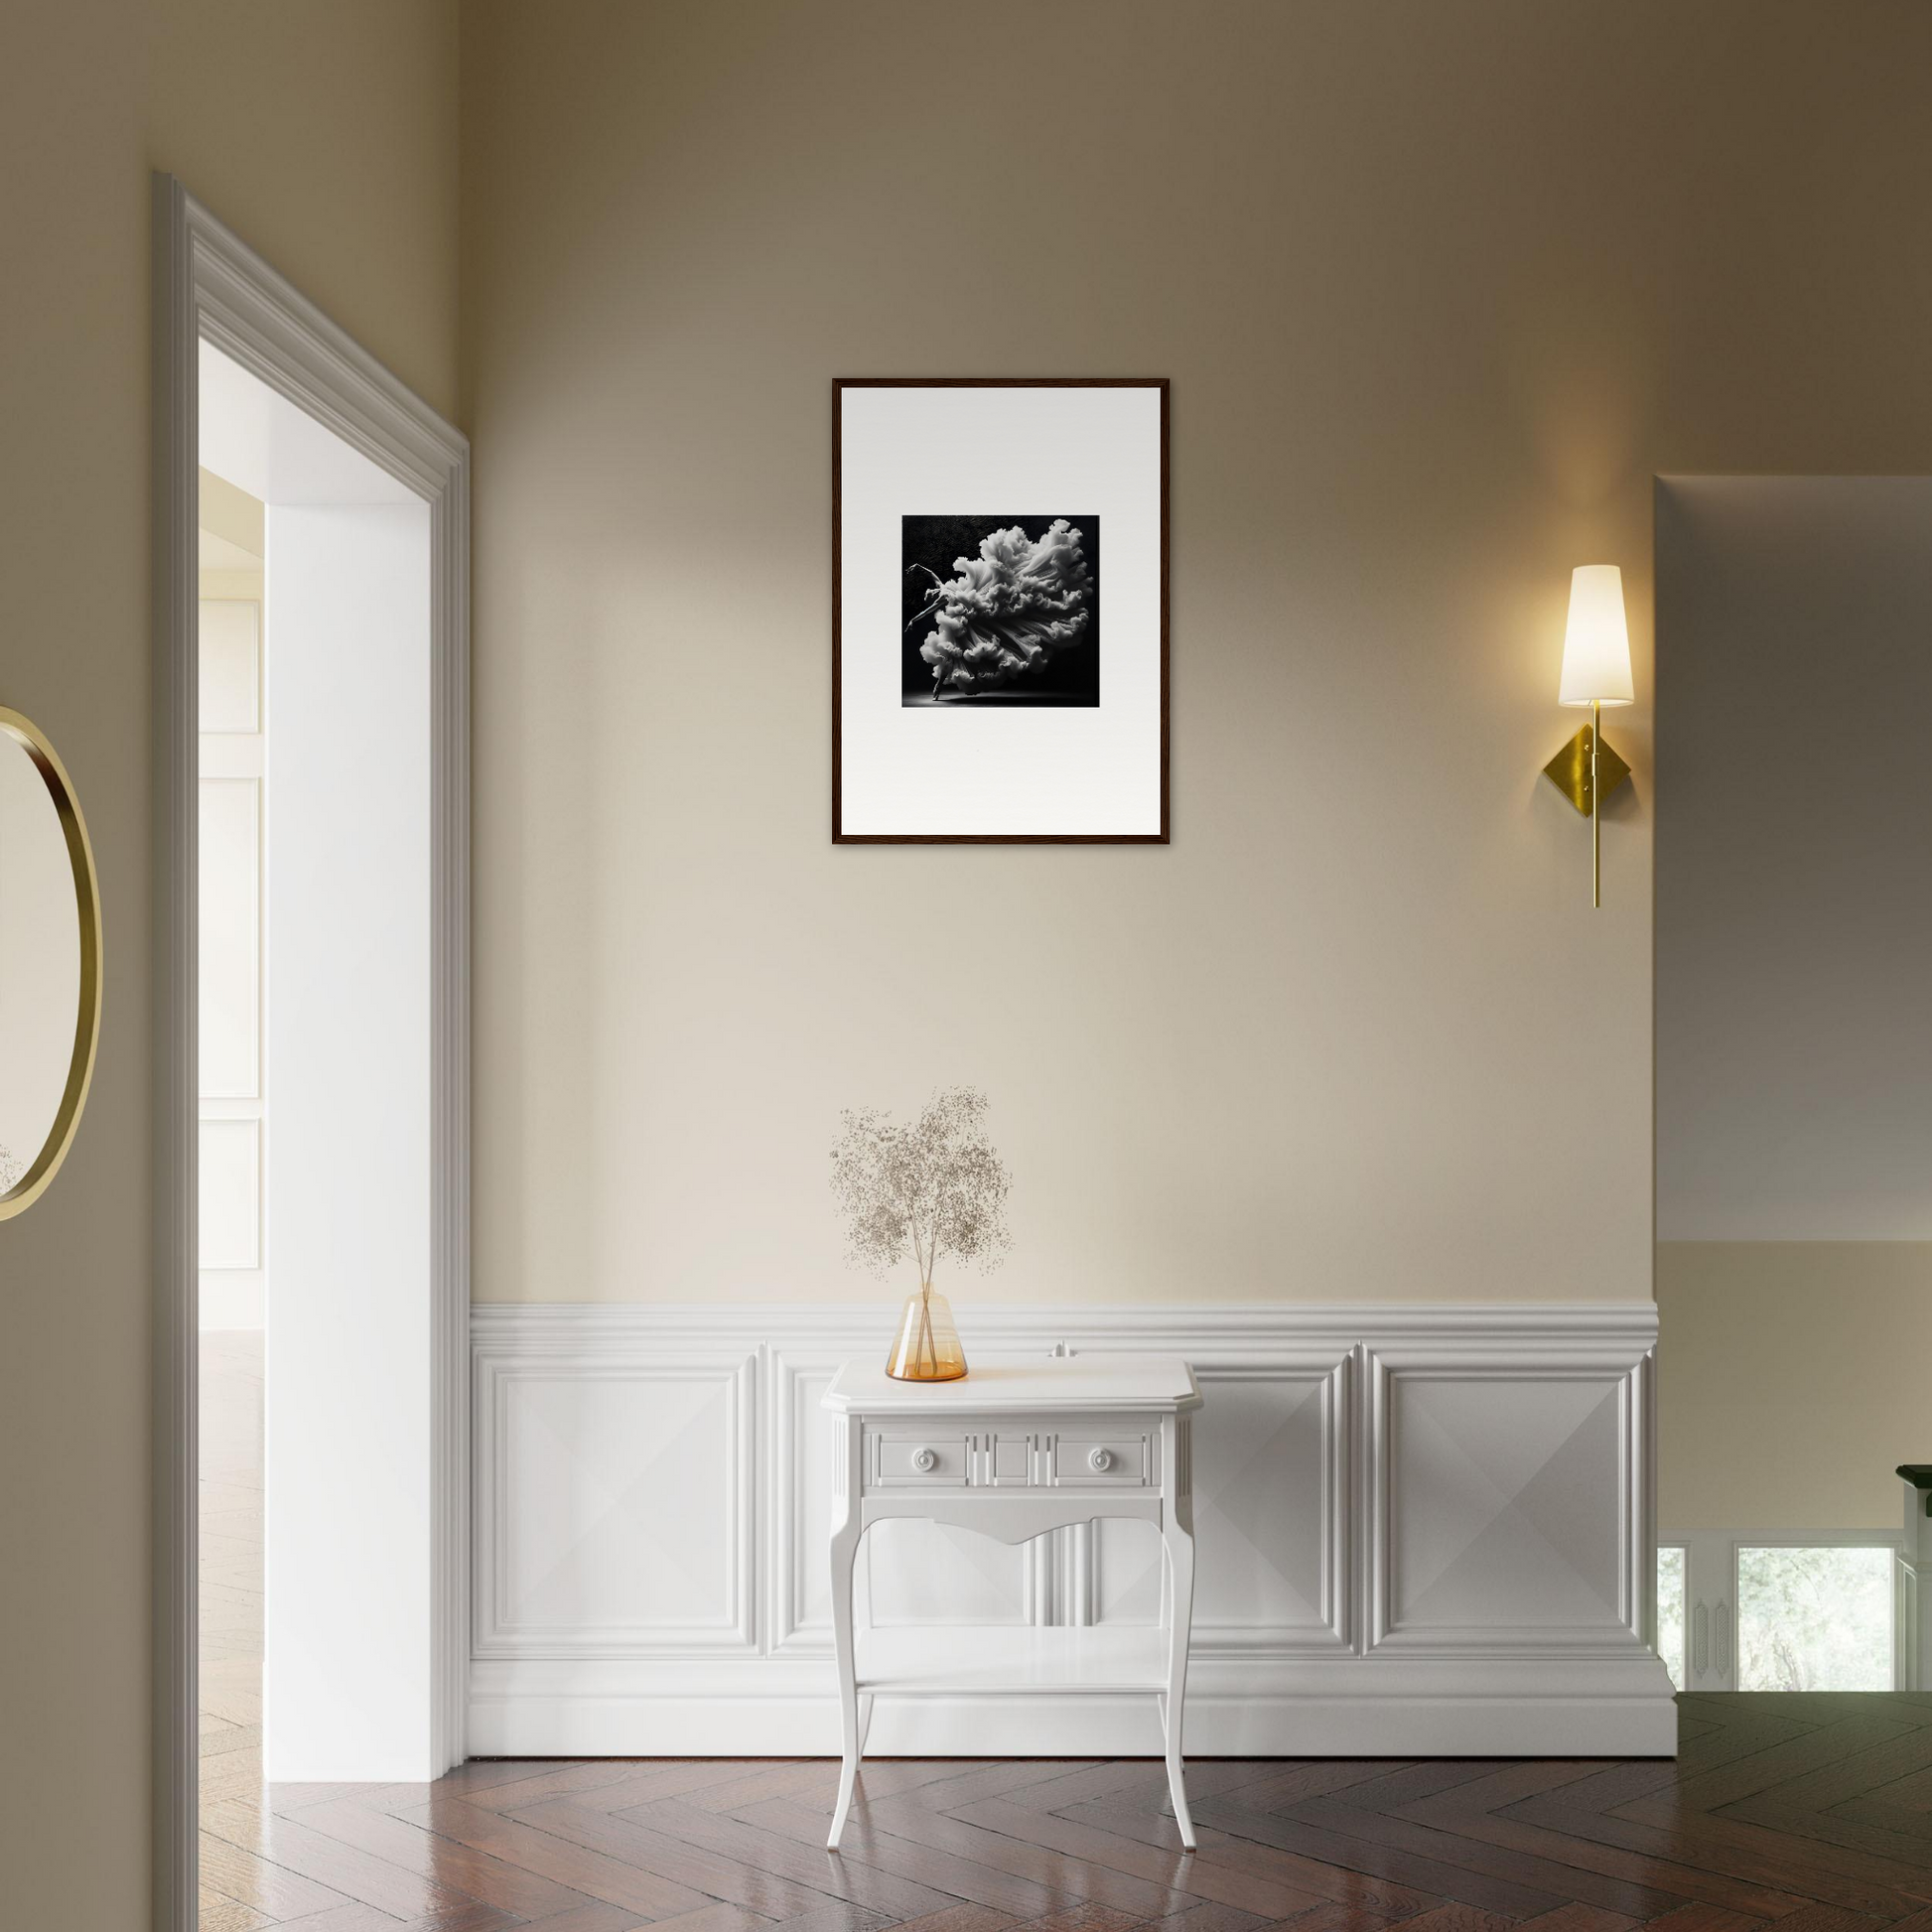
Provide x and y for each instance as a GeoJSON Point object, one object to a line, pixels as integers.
{"type": "Point", "coordinates": [1000, 610]}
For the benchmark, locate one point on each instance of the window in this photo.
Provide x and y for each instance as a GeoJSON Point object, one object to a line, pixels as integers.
{"type": "Point", "coordinates": [1803, 1611]}
{"type": "Point", "coordinates": [1670, 1613]}
{"type": "Point", "coordinates": [1814, 1619]}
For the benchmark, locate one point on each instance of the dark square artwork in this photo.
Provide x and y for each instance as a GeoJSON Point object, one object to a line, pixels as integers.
{"type": "Point", "coordinates": [1000, 610]}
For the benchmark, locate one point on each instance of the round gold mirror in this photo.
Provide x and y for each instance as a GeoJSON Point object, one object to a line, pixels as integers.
{"type": "Point", "coordinates": [49, 963]}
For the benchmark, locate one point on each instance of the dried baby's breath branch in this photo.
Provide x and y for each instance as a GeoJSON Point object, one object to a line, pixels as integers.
{"type": "Point", "coordinates": [934, 1186]}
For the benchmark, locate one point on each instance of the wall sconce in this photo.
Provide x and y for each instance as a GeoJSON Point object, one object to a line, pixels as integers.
{"type": "Point", "coordinates": [1595, 673]}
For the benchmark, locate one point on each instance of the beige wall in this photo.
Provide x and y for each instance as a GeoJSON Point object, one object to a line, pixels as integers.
{"type": "Point", "coordinates": [325, 131]}
{"type": "Point", "coordinates": [1791, 1381]}
{"type": "Point", "coordinates": [1439, 289]}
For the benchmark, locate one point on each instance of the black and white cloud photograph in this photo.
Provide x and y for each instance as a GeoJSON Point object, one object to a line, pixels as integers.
{"type": "Point", "coordinates": [1000, 610]}
{"type": "Point", "coordinates": [966, 582]}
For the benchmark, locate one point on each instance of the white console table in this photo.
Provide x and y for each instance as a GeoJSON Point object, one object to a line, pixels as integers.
{"type": "Point", "coordinates": [1014, 1450]}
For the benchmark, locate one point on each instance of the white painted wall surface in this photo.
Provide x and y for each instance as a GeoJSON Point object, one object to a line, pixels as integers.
{"type": "Point", "coordinates": [347, 1637]}
{"type": "Point", "coordinates": [230, 954]}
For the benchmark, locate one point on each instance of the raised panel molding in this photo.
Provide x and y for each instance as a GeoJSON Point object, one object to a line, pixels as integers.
{"type": "Point", "coordinates": [1422, 1530]}
{"type": "Point", "coordinates": [1271, 1501]}
{"type": "Point", "coordinates": [798, 1615]}
{"type": "Point", "coordinates": [1508, 1502]}
{"type": "Point", "coordinates": [616, 1501]}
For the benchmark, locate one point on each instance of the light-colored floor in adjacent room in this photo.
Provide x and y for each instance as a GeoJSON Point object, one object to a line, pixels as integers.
{"type": "Point", "coordinates": [232, 1611]}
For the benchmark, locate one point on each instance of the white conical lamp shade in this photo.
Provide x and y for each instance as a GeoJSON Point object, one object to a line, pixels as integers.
{"type": "Point", "coordinates": [1596, 645]}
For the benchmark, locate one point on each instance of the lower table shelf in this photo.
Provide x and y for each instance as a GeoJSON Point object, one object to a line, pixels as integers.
{"type": "Point", "coordinates": [978, 1659]}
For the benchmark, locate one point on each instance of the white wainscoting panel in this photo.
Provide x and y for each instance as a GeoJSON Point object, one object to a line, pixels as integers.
{"type": "Point", "coordinates": [798, 1481]}
{"type": "Point", "coordinates": [1422, 1530]}
{"type": "Point", "coordinates": [615, 1502]}
{"type": "Point", "coordinates": [1271, 1501]}
{"type": "Point", "coordinates": [1507, 1516]}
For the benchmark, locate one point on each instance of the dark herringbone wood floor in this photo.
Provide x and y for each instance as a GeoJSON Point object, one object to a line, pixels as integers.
{"type": "Point", "coordinates": [1812, 1811]}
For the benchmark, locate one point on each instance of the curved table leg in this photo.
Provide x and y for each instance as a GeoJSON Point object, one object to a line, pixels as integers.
{"type": "Point", "coordinates": [1178, 1533]}
{"type": "Point", "coordinates": [845, 1552]}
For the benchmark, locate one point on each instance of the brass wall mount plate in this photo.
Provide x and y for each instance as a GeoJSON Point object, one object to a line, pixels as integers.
{"type": "Point", "coordinates": [1569, 770]}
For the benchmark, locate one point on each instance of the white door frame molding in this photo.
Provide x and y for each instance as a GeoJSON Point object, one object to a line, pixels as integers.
{"type": "Point", "coordinates": [209, 285]}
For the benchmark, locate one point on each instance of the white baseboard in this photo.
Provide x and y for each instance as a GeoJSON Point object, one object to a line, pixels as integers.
{"type": "Point", "coordinates": [514, 1714]}
{"type": "Point", "coordinates": [1423, 1531]}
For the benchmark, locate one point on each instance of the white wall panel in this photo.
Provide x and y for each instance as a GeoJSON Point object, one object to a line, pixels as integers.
{"type": "Point", "coordinates": [928, 1573]}
{"type": "Point", "coordinates": [1126, 1582]}
{"type": "Point", "coordinates": [230, 956]}
{"type": "Point", "coordinates": [231, 665]}
{"type": "Point", "coordinates": [800, 1612]}
{"type": "Point", "coordinates": [1507, 1503]}
{"type": "Point", "coordinates": [1270, 1501]}
{"type": "Point", "coordinates": [1420, 1530]}
{"type": "Point", "coordinates": [230, 1194]}
{"type": "Point", "coordinates": [619, 1505]}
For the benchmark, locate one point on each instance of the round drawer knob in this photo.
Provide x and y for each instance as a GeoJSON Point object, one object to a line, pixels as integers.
{"type": "Point", "coordinates": [925, 1460]}
{"type": "Point", "coordinates": [1100, 1460]}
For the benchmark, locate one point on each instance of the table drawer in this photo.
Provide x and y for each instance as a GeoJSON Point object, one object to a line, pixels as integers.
{"type": "Point", "coordinates": [1110, 1460]}
{"type": "Point", "coordinates": [916, 1458]}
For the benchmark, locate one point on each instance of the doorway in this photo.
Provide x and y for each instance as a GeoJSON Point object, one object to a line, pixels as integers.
{"type": "Point", "coordinates": [312, 977]}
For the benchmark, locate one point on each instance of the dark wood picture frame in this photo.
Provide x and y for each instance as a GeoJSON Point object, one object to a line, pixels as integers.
{"type": "Point", "coordinates": [839, 386]}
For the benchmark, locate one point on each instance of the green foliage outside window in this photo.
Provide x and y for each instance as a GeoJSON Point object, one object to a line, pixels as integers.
{"type": "Point", "coordinates": [1670, 1613]}
{"type": "Point", "coordinates": [1811, 1619]}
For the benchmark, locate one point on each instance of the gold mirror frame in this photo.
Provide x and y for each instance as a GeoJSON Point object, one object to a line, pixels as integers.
{"type": "Point", "coordinates": [86, 1029]}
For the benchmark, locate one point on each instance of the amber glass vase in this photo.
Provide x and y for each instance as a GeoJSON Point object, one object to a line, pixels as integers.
{"type": "Point", "coordinates": [926, 1348]}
